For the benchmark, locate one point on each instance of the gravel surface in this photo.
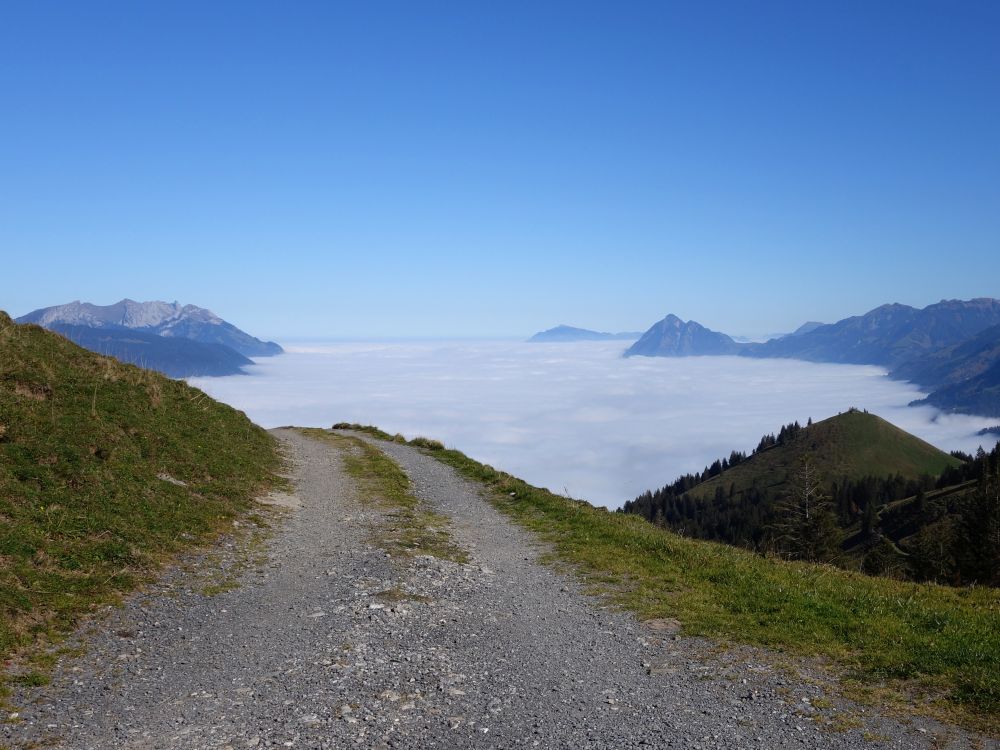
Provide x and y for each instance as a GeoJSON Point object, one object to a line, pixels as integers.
{"type": "Point", "coordinates": [331, 643]}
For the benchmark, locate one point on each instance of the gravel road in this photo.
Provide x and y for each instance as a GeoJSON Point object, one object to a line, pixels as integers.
{"type": "Point", "coordinates": [331, 643]}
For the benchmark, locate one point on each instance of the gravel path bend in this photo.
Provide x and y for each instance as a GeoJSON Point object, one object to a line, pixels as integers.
{"type": "Point", "coordinates": [333, 644]}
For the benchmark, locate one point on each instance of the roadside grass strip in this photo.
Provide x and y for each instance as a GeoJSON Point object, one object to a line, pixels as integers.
{"type": "Point", "coordinates": [914, 647]}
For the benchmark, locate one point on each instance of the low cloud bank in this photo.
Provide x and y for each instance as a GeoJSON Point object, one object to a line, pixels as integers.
{"type": "Point", "coordinates": [576, 418]}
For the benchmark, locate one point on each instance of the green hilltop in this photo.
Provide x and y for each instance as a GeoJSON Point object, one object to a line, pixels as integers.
{"type": "Point", "coordinates": [853, 490]}
{"type": "Point", "coordinates": [105, 471]}
{"type": "Point", "coordinates": [852, 445]}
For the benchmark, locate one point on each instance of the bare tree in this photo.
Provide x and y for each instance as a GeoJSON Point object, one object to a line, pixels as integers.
{"type": "Point", "coordinates": [804, 526]}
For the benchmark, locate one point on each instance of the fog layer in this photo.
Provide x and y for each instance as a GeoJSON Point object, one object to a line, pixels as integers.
{"type": "Point", "coordinates": [576, 418]}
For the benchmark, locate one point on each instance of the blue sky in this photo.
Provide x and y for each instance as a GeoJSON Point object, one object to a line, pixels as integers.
{"type": "Point", "coordinates": [320, 168]}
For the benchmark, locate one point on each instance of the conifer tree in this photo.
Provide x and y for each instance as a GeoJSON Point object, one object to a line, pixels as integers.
{"type": "Point", "coordinates": [804, 526]}
{"type": "Point", "coordinates": [978, 543]}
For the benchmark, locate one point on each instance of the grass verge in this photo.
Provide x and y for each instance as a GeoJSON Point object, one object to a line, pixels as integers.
{"type": "Point", "coordinates": [926, 648]}
{"type": "Point", "coordinates": [410, 527]}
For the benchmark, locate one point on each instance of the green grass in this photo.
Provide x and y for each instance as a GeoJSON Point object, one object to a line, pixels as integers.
{"type": "Point", "coordinates": [410, 527]}
{"type": "Point", "coordinates": [106, 472]}
{"type": "Point", "coordinates": [31, 679]}
{"type": "Point", "coordinates": [934, 647]}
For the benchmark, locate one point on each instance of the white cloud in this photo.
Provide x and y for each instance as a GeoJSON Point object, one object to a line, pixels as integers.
{"type": "Point", "coordinates": [573, 417]}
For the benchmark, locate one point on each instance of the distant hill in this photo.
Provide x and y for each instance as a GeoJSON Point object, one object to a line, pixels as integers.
{"type": "Point", "coordinates": [890, 335]}
{"type": "Point", "coordinates": [884, 487]}
{"type": "Point", "coordinates": [853, 444]}
{"type": "Point", "coordinates": [563, 333]}
{"type": "Point", "coordinates": [171, 320]}
{"type": "Point", "coordinates": [673, 337]}
{"type": "Point", "coordinates": [175, 357]}
{"type": "Point", "coordinates": [105, 471]}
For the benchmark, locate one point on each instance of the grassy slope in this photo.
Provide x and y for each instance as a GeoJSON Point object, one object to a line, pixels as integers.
{"type": "Point", "coordinates": [853, 444]}
{"type": "Point", "coordinates": [83, 514]}
{"type": "Point", "coordinates": [934, 645]}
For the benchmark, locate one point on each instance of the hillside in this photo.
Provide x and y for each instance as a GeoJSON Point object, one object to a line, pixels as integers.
{"type": "Point", "coordinates": [105, 469]}
{"type": "Point", "coordinates": [977, 395]}
{"type": "Point", "coordinates": [851, 445]}
{"type": "Point", "coordinates": [174, 357]}
{"type": "Point", "coordinates": [955, 363]}
{"type": "Point", "coordinates": [853, 490]}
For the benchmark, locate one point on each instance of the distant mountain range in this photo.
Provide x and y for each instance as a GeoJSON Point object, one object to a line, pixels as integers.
{"type": "Point", "coordinates": [890, 335]}
{"type": "Point", "coordinates": [563, 333]}
{"type": "Point", "coordinates": [162, 318]}
{"type": "Point", "coordinates": [952, 347]}
{"type": "Point", "coordinates": [177, 340]}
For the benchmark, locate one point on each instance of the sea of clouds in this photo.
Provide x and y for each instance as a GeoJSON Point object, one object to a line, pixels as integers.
{"type": "Point", "coordinates": [576, 418]}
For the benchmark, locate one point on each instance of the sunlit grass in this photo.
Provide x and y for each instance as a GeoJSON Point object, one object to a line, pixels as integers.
{"type": "Point", "coordinates": [106, 471]}
{"type": "Point", "coordinates": [937, 648]}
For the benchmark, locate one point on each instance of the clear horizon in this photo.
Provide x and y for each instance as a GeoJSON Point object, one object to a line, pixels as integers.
{"type": "Point", "coordinates": [368, 171]}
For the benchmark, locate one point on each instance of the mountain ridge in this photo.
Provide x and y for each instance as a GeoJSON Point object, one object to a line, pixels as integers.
{"type": "Point", "coordinates": [564, 333]}
{"type": "Point", "coordinates": [889, 335]}
{"type": "Point", "coordinates": [161, 318]}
